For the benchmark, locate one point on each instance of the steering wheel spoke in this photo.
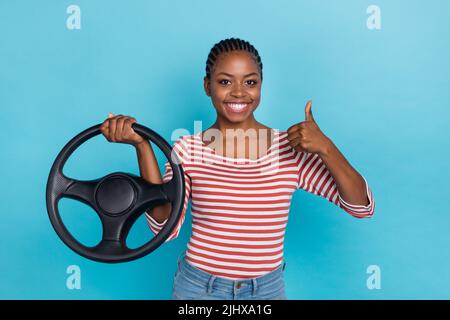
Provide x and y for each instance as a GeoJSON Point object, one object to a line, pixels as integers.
{"type": "Point", "coordinates": [117, 228]}
{"type": "Point", "coordinates": [110, 247]}
{"type": "Point", "coordinates": [150, 195]}
{"type": "Point", "coordinates": [81, 190]}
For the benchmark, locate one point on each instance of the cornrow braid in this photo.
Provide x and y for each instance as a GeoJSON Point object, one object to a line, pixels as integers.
{"type": "Point", "coordinates": [228, 45]}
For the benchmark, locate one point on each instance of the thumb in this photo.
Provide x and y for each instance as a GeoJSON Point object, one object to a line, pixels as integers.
{"type": "Point", "coordinates": [308, 112]}
{"type": "Point", "coordinates": [110, 115]}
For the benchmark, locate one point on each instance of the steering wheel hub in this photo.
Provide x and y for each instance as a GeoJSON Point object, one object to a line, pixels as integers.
{"type": "Point", "coordinates": [115, 195]}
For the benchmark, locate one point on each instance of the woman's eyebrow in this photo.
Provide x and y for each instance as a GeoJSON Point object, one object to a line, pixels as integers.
{"type": "Point", "coordinates": [230, 75]}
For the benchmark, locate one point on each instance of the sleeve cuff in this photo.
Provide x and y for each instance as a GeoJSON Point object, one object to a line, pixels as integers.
{"type": "Point", "coordinates": [359, 210]}
{"type": "Point", "coordinates": [154, 225]}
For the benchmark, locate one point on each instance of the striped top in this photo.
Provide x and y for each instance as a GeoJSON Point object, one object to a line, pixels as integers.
{"type": "Point", "coordinates": [240, 206]}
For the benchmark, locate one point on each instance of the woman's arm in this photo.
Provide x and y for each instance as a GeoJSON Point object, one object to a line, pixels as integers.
{"type": "Point", "coordinates": [321, 160]}
{"type": "Point", "coordinates": [351, 186]}
{"type": "Point", "coordinates": [148, 167]}
{"type": "Point", "coordinates": [162, 212]}
{"type": "Point", "coordinates": [119, 129]}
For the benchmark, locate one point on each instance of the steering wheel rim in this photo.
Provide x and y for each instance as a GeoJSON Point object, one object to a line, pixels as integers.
{"type": "Point", "coordinates": [118, 198]}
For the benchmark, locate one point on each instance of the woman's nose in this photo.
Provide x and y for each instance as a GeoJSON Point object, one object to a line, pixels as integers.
{"type": "Point", "coordinates": [237, 90]}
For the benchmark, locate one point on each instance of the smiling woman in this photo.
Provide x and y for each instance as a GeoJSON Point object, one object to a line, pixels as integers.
{"type": "Point", "coordinates": [370, 71]}
{"type": "Point", "coordinates": [233, 81]}
{"type": "Point", "coordinates": [240, 205]}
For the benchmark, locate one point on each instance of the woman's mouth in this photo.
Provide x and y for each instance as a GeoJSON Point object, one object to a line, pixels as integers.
{"type": "Point", "coordinates": [237, 107]}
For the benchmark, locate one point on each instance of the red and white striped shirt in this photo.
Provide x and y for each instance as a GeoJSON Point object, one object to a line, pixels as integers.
{"type": "Point", "coordinates": [240, 206]}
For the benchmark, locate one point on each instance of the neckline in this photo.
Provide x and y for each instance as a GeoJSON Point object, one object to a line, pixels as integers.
{"type": "Point", "coordinates": [275, 140]}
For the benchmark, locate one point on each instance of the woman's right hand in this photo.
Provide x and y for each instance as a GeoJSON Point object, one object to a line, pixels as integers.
{"type": "Point", "coordinates": [118, 129]}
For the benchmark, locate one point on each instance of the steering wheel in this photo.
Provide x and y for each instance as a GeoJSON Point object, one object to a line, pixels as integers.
{"type": "Point", "coordinates": [118, 198]}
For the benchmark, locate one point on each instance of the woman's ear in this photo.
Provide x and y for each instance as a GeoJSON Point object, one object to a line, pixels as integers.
{"type": "Point", "coordinates": [206, 85]}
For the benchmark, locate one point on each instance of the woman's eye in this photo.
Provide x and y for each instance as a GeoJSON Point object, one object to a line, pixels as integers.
{"type": "Point", "coordinates": [249, 82]}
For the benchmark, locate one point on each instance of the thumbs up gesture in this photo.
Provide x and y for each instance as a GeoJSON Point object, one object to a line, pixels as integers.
{"type": "Point", "coordinates": [306, 136]}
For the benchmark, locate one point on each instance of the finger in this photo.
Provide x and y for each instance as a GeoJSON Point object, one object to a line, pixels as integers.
{"type": "Point", "coordinates": [308, 112]}
{"type": "Point", "coordinates": [296, 143]}
{"type": "Point", "coordinates": [293, 135]}
{"type": "Point", "coordinates": [119, 127]}
{"type": "Point", "coordinates": [112, 128]}
{"type": "Point", "coordinates": [105, 126]}
{"type": "Point", "coordinates": [127, 129]}
{"type": "Point", "coordinates": [105, 132]}
{"type": "Point", "coordinates": [293, 128]}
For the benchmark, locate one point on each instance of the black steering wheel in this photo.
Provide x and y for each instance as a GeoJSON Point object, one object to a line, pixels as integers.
{"type": "Point", "coordinates": [118, 198]}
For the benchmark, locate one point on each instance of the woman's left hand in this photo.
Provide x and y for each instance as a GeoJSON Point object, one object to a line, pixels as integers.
{"type": "Point", "coordinates": [307, 136]}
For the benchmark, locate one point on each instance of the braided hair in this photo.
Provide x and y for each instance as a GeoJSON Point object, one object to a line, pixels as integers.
{"type": "Point", "coordinates": [228, 45]}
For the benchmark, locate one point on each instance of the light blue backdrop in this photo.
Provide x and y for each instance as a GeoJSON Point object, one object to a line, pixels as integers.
{"type": "Point", "coordinates": [382, 96]}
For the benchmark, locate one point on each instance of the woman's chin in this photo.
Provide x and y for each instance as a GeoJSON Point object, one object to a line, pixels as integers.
{"type": "Point", "coordinates": [236, 118]}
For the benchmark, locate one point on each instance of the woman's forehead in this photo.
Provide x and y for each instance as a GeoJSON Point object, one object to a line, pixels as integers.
{"type": "Point", "coordinates": [236, 62]}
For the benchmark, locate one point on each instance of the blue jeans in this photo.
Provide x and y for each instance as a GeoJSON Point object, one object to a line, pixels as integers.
{"type": "Point", "coordinates": [193, 283]}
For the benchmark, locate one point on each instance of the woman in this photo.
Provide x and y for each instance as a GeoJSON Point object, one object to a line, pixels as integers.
{"type": "Point", "coordinates": [241, 192]}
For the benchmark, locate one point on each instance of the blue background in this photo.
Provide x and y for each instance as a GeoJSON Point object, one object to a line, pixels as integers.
{"type": "Point", "coordinates": [382, 96]}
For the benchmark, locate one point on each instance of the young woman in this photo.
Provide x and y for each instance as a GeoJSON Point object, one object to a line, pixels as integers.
{"type": "Point", "coordinates": [241, 194]}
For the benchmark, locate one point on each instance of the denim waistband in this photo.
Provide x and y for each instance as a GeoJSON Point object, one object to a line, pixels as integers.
{"type": "Point", "coordinates": [228, 284]}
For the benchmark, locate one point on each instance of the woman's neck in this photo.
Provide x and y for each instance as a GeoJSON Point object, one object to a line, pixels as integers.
{"type": "Point", "coordinates": [228, 130]}
{"type": "Point", "coordinates": [250, 123]}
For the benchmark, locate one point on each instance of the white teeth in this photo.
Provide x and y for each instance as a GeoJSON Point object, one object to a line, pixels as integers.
{"type": "Point", "coordinates": [237, 106]}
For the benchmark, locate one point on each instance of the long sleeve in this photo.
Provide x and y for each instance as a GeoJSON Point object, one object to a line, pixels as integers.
{"type": "Point", "coordinates": [155, 227]}
{"type": "Point", "coordinates": [314, 177]}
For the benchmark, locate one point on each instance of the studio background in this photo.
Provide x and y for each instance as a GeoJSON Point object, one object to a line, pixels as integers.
{"type": "Point", "coordinates": [381, 95]}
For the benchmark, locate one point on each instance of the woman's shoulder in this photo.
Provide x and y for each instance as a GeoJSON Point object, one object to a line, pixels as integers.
{"type": "Point", "coordinates": [186, 142]}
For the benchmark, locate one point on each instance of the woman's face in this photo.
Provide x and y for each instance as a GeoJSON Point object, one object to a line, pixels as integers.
{"type": "Point", "coordinates": [235, 86]}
